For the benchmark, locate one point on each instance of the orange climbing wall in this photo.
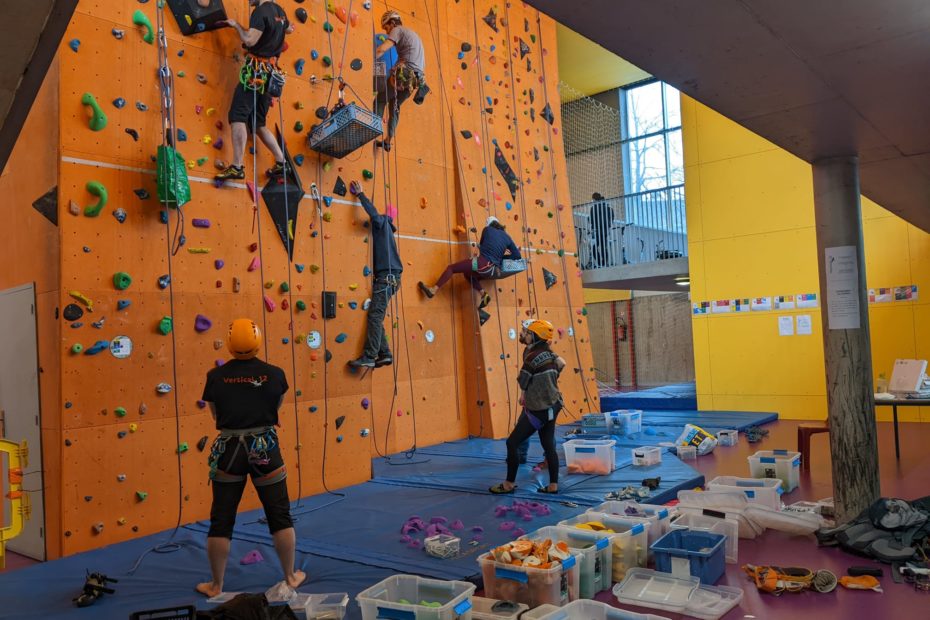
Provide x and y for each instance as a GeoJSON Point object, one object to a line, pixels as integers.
{"type": "Point", "coordinates": [463, 382]}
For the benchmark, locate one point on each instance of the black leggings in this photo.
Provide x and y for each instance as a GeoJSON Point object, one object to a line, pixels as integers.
{"type": "Point", "coordinates": [227, 493]}
{"type": "Point", "coordinates": [523, 431]}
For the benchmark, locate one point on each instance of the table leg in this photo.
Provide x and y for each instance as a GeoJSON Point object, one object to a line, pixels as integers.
{"type": "Point", "coordinates": [897, 447]}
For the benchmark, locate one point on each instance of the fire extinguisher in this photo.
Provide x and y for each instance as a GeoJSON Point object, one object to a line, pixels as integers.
{"type": "Point", "coordinates": [621, 330]}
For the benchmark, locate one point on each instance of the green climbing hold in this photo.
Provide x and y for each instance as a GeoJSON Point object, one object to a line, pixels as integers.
{"type": "Point", "coordinates": [561, 252]}
{"type": "Point", "coordinates": [141, 495]}
{"type": "Point", "coordinates": [327, 61]}
{"type": "Point", "coordinates": [97, 189]}
{"type": "Point", "coordinates": [98, 119]}
{"type": "Point", "coordinates": [181, 74]}
{"type": "Point", "coordinates": [165, 325]}
{"type": "Point", "coordinates": [549, 214]}
{"type": "Point", "coordinates": [533, 38]}
{"type": "Point", "coordinates": [202, 160]}
{"type": "Point", "coordinates": [121, 280]}
{"type": "Point", "coordinates": [120, 412]}
{"type": "Point", "coordinates": [182, 447]}
{"type": "Point", "coordinates": [141, 19]}
{"type": "Point", "coordinates": [301, 305]}
{"type": "Point", "coordinates": [367, 174]}
{"type": "Point", "coordinates": [584, 312]}
{"type": "Point", "coordinates": [328, 27]}
{"type": "Point", "coordinates": [298, 126]}
{"type": "Point", "coordinates": [77, 348]}
{"type": "Point", "coordinates": [284, 287]}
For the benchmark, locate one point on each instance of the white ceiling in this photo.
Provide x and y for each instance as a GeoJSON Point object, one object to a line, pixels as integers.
{"type": "Point", "coordinates": [819, 78]}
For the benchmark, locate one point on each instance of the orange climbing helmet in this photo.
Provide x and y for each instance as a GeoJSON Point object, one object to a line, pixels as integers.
{"type": "Point", "coordinates": [390, 16]}
{"type": "Point", "coordinates": [542, 328]}
{"type": "Point", "coordinates": [244, 339]}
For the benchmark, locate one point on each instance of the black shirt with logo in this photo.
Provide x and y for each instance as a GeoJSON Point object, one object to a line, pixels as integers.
{"type": "Point", "coordinates": [271, 20]}
{"type": "Point", "coordinates": [246, 393]}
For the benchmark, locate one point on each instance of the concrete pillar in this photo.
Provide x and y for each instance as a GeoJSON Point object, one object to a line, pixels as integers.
{"type": "Point", "coordinates": [846, 340]}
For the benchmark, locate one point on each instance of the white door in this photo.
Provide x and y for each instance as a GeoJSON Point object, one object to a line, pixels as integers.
{"type": "Point", "coordinates": [19, 408]}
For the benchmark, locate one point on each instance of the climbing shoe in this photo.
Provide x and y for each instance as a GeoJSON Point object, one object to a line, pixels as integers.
{"type": "Point", "coordinates": [277, 170]}
{"type": "Point", "coordinates": [362, 362]}
{"type": "Point", "coordinates": [384, 360]}
{"type": "Point", "coordinates": [485, 300]}
{"type": "Point", "coordinates": [421, 94]}
{"type": "Point", "coordinates": [231, 173]}
{"type": "Point", "coordinates": [384, 144]}
{"type": "Point", "coordinates": [425, 290]}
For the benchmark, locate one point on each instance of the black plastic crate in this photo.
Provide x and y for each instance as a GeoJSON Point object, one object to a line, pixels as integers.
{"type": "Point", "coordinates": [345, 131]}
{"type": "Point", "coordinates": [188, 612]}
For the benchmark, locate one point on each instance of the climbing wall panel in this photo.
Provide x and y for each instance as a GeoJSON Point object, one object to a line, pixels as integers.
{"type": "Point", "coordinates": [459, 380]}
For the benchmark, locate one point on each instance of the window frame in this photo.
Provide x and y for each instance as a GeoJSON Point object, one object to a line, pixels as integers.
{"type": "Point", "coordinates": [626, 140]}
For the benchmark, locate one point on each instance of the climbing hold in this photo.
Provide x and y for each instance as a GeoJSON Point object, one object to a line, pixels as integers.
{"type": "Point", "coordinates": [165, 325]}
{"type": "Point", "coordinates": [142, 193]}
{"type": "Point", "coordinates": [491, 20]}
{"type": "Point", "coordinates": [327, 27]}
{"type": "Point", "coordinates": [119, 412]}
{"type": "Point", "coordinates": [141, 495]}
{"type": "Point", "coordinates": [353, 305]}
{"type": "Point", "coordinates": [95, 188]}
{"type": "Point", "coordinates": [202, 443]}
{"type": "Point", "coordinates": [182, 447]}
{"type": "Point", "coordinates": [100, 345]}
{"type": "Point", "coordinates": [341, 338]}
{"type": "Point", "coordinates": [164, 281]}
{"type": "Point", "coordinates": [118, 34]}
{"type": "Point", "coordinates": [298, 126]}
{"type": "Point", "coordinates": [200, 223]}
{"type": "Point", "coordinates": [301, 15]}
{"type": "Point", "coordinates": [218, 263]}
{"type": "Point", "coordinates": [252, 557]}
{"type": "Point", "coordinates": [98, 527]}
{"type": "Point", "coordinates": [98, 118]}
{"type": "Point", "coordinates": [77, 348]}
{"type": "Point", "coordinates": [466, 47]}
{"type": "Point", "coordinates": [163, 388]}
{"type": "Point", "coordinates": [364, 432]}
{"type": "Point", "coordinates": [74, 44]}
{"type": "Point", "coordinates": [327, 61]}
{"type": "Point", "coordinates": [314, 268]}
{"type": "Point", "coordinates": [284, 287]}
{"type": "Point", "coordinates": [321, 112]}
{"type": "Point", "coordinates": [201, 78]}
{"type": "Point", "coordinates": [340, 187]}
{"type": "Point", "coordinates": [353, 286]}
{"type": "Point", "coordinates": [269, 283]}
{"type": "Point", "coordinates": [356, 64]}
{"type": "Point", "coordinates": [141, 19]}
{"type": "Point", "coordinates": [299, 160]}
{"type": "Point", "coordinates": [466, 134]}
{"type": "Point", "coordinates": [269, 303]}
{"type": "Point", "coordinates": [301, 305]}
{"type": "Point", "coordinates": [119, 102]}
{"type": "Point", "coordinates": [547, 114]}
{"type": "Point", "coordinates": [339, 421]}
{"type": "Point", "coordinates": [328, 216]}
{"type": "Point", "coordinates": [365, 403]}
{"type": "Point", "coordinates": [236, 284]}
{"type": "Point", "coordinates": [72, 312]}
{"type": "Point", "coordinates": [254, 264]}
{"type": "Point", "coordinates": [99, 324]}
{"type": "Point", "coordinates": [84, 299]}
{"type": "Point", "coordinates": [122, 304]}
{"type": "Point", "coordinates": [338, 438]}
{"type": "Point", "coordinates": [133, 427]}
{"type": "Point", "coordinates": [202, 323]}
{"type": "Point", "coordinates": [121, 477]}
{"type": "Point", "coordinates": [121, 280]}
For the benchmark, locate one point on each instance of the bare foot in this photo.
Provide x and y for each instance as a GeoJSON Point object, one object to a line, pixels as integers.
{"type": "Point", "coordinates": [210, 589]}
{"type": "Point", "coordinates": [296, 579]}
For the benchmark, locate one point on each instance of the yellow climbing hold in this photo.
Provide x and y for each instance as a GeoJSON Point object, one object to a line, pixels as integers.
{"type": "Point", "coordinates": [269, 283]}
{"type": "Point", "coordinates": [191, 164]}
{"type": "Point", "coordinates": [327, 166]}
{"type": "Point", "coordinates": [290, 229]}
{"type": "Point", "coordinates": [199, 250]}
{"type": "Point", "coordinates": [133, 427]}
{"type": "Point", "coordinates": [328, 216]}
{"type": "Point", "coordinates": [84, 299]}
{"type": "Point", "coordinates": [353, 286]}
{"type": "Point", "coordinates": [207, 139]}
{"type": "Point", "coordinates": [211, 111]}
{"type": "Point", "coordinates": [314, 268]}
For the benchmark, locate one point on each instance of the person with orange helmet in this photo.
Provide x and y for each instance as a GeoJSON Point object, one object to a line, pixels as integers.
{"type": "Point", "coordinates": [244, 395]}
{"type": "Point", "coordinates": [541, 400]}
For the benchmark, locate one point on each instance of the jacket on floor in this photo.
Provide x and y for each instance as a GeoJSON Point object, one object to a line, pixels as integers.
{"type": "Point", "coordinates": [539, 377]}
{"type": "Point", "coordinates": [385, 257]}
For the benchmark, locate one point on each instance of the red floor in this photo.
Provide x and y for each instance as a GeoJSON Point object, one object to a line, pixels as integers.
{"type": "Point", "coordinates": [14, 561]}
{"type": "Point", "coordinates": [906, 478]}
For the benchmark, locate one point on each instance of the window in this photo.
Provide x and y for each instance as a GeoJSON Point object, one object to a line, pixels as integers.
{"type": "Point", "coordinates": [650, 128]}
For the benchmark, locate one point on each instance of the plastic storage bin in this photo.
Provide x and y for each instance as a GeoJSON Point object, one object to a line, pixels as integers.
{"type": "Point", "coordinates": [781, 464]}
{"type": "Point", "coordinates": [657, 516]}
{"type": "Point", "coordinates": [382, 599]}
{"type": "Point", "coordinates": [690, 552]}
{"type": "Point", "coordinates": [699, 522]}
{"type": "Point", "coordinates": [594, 556]}
{"type": "Point", "coordinates": [764, 491]}
{"type": "Point", "coordinates": [686, 453]}
{"type": "Point", "coordinates": [591, 610]}
{"type": "Point", "coordinates": [646, 456]}
{"type": "Point", "coordinates": [595, 424]}
{"type": "Point", "coordinates": [625, 421]}
{"type": "Point", "coordinates": [531, 586]}
{"type": "Point", "coordinates": [326, 606]}
{"type": "Point", "coordinates": [493, 609]}
{"type": "Point", "coordinates": [629, 540]}
{"type": "Point", "coordinates": [727, 438]}
{"type": "Point", "coordinates": [590, 456]}
{"type": "Point", "coordinates": [649, 588]}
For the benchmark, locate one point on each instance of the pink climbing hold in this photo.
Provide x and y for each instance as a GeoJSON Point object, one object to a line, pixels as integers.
{"type": "Point", "coordinates": [251, 189]}
{"type": "Point", "coordinates": [507, 526]}
{"type": "Point", "coordinates": [518, 532]}
{"type": "Point", "coordinates": [269, 303]}
{"type": "Point", "coordinates": [254, 264]}
{"type": "Point", "coordinates": [252, 557]}
{"type": "Point", "coordinates": [202, 323]}
{"type": "Point", "coordinates": [457, 525]}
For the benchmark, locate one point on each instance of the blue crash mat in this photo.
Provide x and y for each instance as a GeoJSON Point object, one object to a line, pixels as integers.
{"type": "Point", "coordinates": [675, 396]}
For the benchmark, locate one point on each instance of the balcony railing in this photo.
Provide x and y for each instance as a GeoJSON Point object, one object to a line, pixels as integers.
{"type": "Point", "coordinates": [632, 229]}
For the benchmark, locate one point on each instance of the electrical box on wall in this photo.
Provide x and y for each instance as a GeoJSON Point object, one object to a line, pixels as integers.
{"type": "Point", "coordinates": [329, 305]}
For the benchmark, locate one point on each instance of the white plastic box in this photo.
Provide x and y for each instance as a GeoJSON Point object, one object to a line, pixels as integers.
{"type": "Point", "coordinates": [625, 421]}
{"type": "Point", "coordinates": [781, 464]}
{"type": "Point", "coordinates": [590, 456]}
{"type": "Point", "coordinates": [646, 456]}
{"type": "Point", "coordinates": [687, 453]}
{"type": "Point", "coordinates": [484, 609]}
{"type": "Point", "coordinates": [708, 523]}
{"type": "Point", "coordinates": [531, 586]}
{"type": "Point", "coordinates": [657, 516]}
{"type": "Point", "coordinates": [382, 599]}
{"type": "Point", "coordinates": [649, 588]}
{"type": "Point", "coordinates": [591, 610]}
{"type": "Point", "coordinates": [727, 438]}
{"type": "Point", "coordinates": [629, 540]}
{"type": "Point", "coordinates": [764, 491]}
{"type": "Point", "coordinates": [594, 556]}
{"type": "Point", "coordinates": [326, 606]}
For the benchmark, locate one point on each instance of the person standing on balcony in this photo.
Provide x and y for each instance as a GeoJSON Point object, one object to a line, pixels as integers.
{"type": "Point", "coordinates": [602, 221]}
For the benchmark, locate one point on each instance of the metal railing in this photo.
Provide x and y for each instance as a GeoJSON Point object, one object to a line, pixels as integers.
{"type": "Point", "coordinates": [632, 229]}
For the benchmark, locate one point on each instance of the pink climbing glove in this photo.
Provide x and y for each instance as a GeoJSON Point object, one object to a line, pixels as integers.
{"type": "Point", "coordinates": [355, 187]}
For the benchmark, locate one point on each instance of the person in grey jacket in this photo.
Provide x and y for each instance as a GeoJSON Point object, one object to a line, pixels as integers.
{"type": "Point", "coordinates": [541, 400]}
{"type": "Point", "coordinates": [387, 267]}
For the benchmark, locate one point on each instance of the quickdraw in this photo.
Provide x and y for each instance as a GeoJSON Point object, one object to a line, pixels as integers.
{"type": "Point", "coordinates": [256, 72]}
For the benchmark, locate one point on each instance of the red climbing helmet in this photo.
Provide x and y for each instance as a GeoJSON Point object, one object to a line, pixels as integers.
{"type": "Point", "coordinates": [244, 339]}
{"type": "Point", "coordinates": [390, 16]}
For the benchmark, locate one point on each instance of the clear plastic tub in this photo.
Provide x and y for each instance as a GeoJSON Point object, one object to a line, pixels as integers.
{"type": "Point", "coordinates": [594, 556]}
{"type": "Point", "coordinates": [763, 491]}
{"type": "Point", "coordinates": [590, 456]}
{"type": "Point", "coordinates": [326, 606]}
{"type": "Point", "coordinates": [699, 522]}
{"type": "Point", "coordinates": [629, 539]}
{"type": "Point", "coordinates": [591, 610]}
{"type": "Point", "coordinates": [625, 421]}
{"type": "Point", "coordinates": [781, 464]}
{"type": "Point", "coordinates": [727, 438]}
{"type": "Point", "coordinates": [493, 609]}
{"type": "Point", "coordinates": [531, 586]}
{"type": "Point", "coordinates": [689, 552]}
{"type": "Point", "coordinates": [646, 456]}
{"type": "Point", "coordinates": [382, 600]}
{"type": "Point", "coordinates": [648, 588]}
{"type": "Point", "coordinates": [658, 516]}
{"type": "Point", "coordinates": [712, 602]}
{"type": "Point", "coordinates": [687, 453]}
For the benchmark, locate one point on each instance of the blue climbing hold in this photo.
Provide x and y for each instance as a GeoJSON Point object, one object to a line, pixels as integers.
{"type": "Point", "coordinates": [314, 54]}
{"type": "Point", "coordinates": [163, 217]}
{"type": "Point", "coordinates": [484, 170]}
{"type": "Point", "coordinates": [74, 44]}
{"type": "Point", "coordinates": [182, 135]}
{"type": "Point", "coordinates": [77, 325]}
{"type": "Point", "coordinates": [461, 55]}
{"type": "Point", "coordinates": [487, 78]}
{"type": "Point", "coordinates": [119, 102]}
{"type": "Point", "coordinates": [299, 159]}
{"type": "Point", "coordinates": [338, 438]}
{"type": "Point", "coordinates": [285, 340]}
{"type": "Point", "coordinates": [121, 434]}
{"type": "Point", "coordinates": [100, 345]}
{"type": "Point", "coordinates": [122, 304]}
{"type": "Point", "coordinates": [299, 66]}
{"type": "Point", "coordinates": [489, 100]}
{"type": "Point", "coordinates": [341, 338]}
{"type": "Point", "coordinates": [328, 200]}
{"type": "Point", "coordinates": [366, 271]}
{"type": "Point", "coordinates": [182, 240]}
{"type": "Point", "coordinates": [299, 267]}
{"type": "Point", "coordinates": [508, 206]}
{"type": "Point", "coordinates": [313, 408]}
{"type": "Point", "coordinates": [180, 53]}
{"type": "Point", "coordinates": [164, 281]}
{"type": "Point", "coordinates": [493, 47]}
{"type": "Point", "coordinates": [68, 404]}
{"type": "Point", "coordinates": [353, 305]}
{"type": "Point", "coordinates": [86, 250]}
{"type": "Point", "coordinates": [201, 27]}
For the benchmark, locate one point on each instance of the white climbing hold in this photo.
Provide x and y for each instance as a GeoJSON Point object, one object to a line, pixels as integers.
{"type": "Point", "coordinates": [429, 335]}
{"type": "Point", "coordinates": [314, 340]}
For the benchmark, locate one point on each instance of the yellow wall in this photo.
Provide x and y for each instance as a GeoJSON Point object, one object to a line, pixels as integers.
{"type": "Point", "coordinates": [589, 68]}
{"type": "Point", "coordinates": [751, 234]}
{"type": "Point", "coordinates": [599, 295]}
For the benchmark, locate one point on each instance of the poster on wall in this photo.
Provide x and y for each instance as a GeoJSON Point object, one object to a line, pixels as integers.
{"type": "Point", "coordinates": [700, 307]}
{"type": "Point", "coordinates": [784, 302]}
{"type": "Point", "coordinates": [805, 326]}
{"type": "Point", "coordinates": [905, 293]}
{"type": "Point", "coordinates": [722, 306]}
{"type": "Point", "coordinates": [842, 267]}
{"type": "Point", "coordinates": [880, 295]}
{"type": "Point", "coordinates": [741, 305]}
{"type": "Point", "coordinates": [786, 325]}
{"type": "Point", "coordinates": [806, 300]}
{"type": "Point", "coordinates": [761, 304]}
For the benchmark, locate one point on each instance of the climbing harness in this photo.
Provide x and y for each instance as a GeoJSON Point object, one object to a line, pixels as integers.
{"type": "Point", "coordinates": [262, 75]}
{"type": "Point", "coordinates": [257, 443]}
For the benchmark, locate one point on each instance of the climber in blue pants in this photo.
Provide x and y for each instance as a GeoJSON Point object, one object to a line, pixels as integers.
{"type": "Point", "coordinates": [387, 268]}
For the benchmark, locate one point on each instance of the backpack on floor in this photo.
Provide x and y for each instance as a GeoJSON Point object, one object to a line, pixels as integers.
{"type": "Point", "coordinates": [890, 530]}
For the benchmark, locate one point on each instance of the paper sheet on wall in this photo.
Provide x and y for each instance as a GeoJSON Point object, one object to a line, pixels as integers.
{"type": "Point", "coordinates": [805, 327]}
{"type": "Point", "coordinates": [880, 295]}
{"type": "Point", "coordinates": [842, 267]}
{"type": "Point", "coordinates": [761, 304]}
{"type": "Point", "coordinates": [784, 302]}
{"type": "Point", "coordinates": [786, 325]}
{"type": "Point", "coordinates": [806, 300]}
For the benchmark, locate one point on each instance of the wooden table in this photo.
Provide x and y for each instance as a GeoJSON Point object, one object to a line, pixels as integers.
{"type": "Point", "coordinates": [894, 404]}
